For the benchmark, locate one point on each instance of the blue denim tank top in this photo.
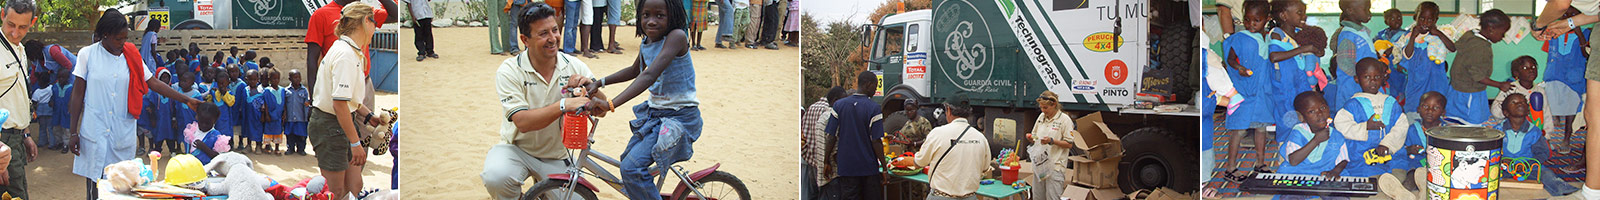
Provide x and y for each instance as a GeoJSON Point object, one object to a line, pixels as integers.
{"type": "Point", "coordinates": [674, 89]}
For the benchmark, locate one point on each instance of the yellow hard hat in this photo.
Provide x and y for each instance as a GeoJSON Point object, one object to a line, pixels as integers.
{"type": "Point", "coordinates": [184, 169]}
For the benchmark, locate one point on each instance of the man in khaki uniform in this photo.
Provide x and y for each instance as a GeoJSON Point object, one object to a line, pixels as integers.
{"type": "Point", "coordinates": [529, 86]}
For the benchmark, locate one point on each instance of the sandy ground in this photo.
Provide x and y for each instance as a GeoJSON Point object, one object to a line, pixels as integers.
{"type": "Point", "coordinates": [747, 102]}
{"type": "Point", "coordinates": [51, 176]}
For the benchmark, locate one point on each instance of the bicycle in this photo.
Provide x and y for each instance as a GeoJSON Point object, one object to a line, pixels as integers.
{"type": "Point", "coordinates": [698, 183]}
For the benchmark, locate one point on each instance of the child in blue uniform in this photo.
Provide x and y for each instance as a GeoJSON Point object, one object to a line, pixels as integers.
{"type": "Point", "coordinates": [1524, 144]}
{"type": "Point", "coordinates": [202, 147]}
{"type": "Point", "coordinates": [1371, 123]}
{"type": "Point", "coordinates": [63, 90]}
{"type": "Point", "coordinates": [1294, 61]}
{"type": "Point", "coordinates": [182, 114]}
{"type": "Point", "coordinates": [1251, 73]}
{"type": "Point", "coordinates": [1351, 43]}
{"type": "Point", "coordinates": [1564, 85]}
{"type": "Point", "coordinates": [250, 113]}
{"type": "Point", "coordinates": [161, 133]}
{"type": "Point", "coordinates": [249, 61]}
{"type": "Point", "coordinates": [224, 98]}
{"type": "Point", "coordinates": [1473, 65]}
{"type": "Point", "coordinates": [296, 106]}
{"type": "Point", "coordinates": [1371, 120]}
{"type": "Point", "coordinates": [1422, 54]}
{"type": "Point", "coordinates": [270, 105]}
{"type": "Point", "coordinates": [1393, 34]}
{"type": "Point", "coordinates": [1311, 148]}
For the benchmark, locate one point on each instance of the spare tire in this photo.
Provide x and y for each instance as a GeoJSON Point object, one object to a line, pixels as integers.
{"type": "Point", "coordinates": [192, 24]}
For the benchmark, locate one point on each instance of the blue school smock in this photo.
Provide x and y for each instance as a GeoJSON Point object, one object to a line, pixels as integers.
{"type": "Point", "coordinates": [63, 118]}
{"type": "Point", "coordinates": [1361, 111]}
{"type": "Point", "coordinates": [272, 100]}
{"type": "Point", "coordinates": [241, 102]}
{"type": "Point", "coordinates": [225, 110]}
{"type": "Point", "coordinates": [1397, 79]}
{"type": "Point", "coordinates": [1423, 75]}
{"type": "Point", "coordinates": [251, 115]}
{"type": "Point", "coordinates": [147, 117]}
{"type": "Point", "coordinates": [163, 119]}
{"type": "Point", "coordinates": [182, 114]}
{"type": "Point", "coordinates": [1256, 89]}
{"type": "Point", "coordinates": [1417, 135]}
{"type": "Point", "coordinates": [1208, 107]}
{"type": "Point", "coordinates": [250, 65]}
{"type": "Point", "coordinates": [1527, 142]}
{"type": "Point", "coordinates": [1351, 45]}
{"type": "Point", "coordinates": [1566, 61]}
{"type": "Point", "coordinates": [1293, 77]}
{"type": "Point", "coordinates": [1325, 157]}
{"type": "Point", "coordinates": [211, 139]}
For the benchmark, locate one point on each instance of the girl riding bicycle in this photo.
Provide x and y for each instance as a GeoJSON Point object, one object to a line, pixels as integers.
{"type": "Point", "coordinates": [669, 121]}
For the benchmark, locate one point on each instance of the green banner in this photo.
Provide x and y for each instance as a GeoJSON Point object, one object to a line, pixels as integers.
{"type": "Point", "coordinates": [269, 14]}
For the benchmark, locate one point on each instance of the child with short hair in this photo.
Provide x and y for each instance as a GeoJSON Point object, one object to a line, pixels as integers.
{"type": "Point", "coordinates": [1429, 115]}
{"type": "Point", "coordinates": [1311, 147]}
{"type": "Point", "coordinates": [1524, 70]}
{"type": "Point", "coordinates": [1525, 144]}
{"type": "Point", "coordinates": [224, 98]}
{"type": "Point", "coordinates": [63, 118]}
{"type": "Point", "coordinates": [249, 60]}
{"type": "Point", "coordinates": [1387, 38]}
{"type": "Point", "coordinates": [1469, 78]}
{"type": "Point", "coordinates": [1421, 56]}
{"type": "Point", "coordinates": [1251, 73]}
{"type": "Point", "coordinates": [182, 114]}
{"type": "Point", "coordinates": [219, 60]}
{"type": "Point", "coordinates": [1350, 44]}
{"type": "Point", "coordinates": [269, 103]}
{"type": "Point", "coordinates": [1295, 60]}
{"type": "Point", "coordinates": [250, 112]}
{"type": "Point", "coordinates": [1371, 124]}
{"type": "Point", "coordinates": [297, 106]}
{"type": "Point", "coordinates": [205, 136]}
{"type": "Point", "coordinates": [1371, 120]}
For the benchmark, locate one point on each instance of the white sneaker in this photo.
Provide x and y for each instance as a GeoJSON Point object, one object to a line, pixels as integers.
{"type": "Point", "coordinates": [1391, 187]}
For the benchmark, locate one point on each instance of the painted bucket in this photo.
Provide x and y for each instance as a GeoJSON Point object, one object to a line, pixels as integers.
{"type": "Point", "coordinates": [1463, 163]}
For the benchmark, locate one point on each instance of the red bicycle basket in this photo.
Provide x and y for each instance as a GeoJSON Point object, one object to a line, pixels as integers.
{"type": "Point", "coordinates": [575, 131]}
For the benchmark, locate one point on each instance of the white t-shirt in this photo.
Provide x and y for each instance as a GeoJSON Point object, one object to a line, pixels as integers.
{"type": "Point", "coordinates": [12, 71]}
{"type": "Point", "coordinates": [344, 67]}
{"type": "Point", "coordinates": [1587, 7]}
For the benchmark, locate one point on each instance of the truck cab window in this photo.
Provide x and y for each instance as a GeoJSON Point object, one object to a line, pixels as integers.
{"type": "Point", "coordinates": [890, 42]}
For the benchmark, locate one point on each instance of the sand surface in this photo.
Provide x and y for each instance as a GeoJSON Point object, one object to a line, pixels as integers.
{"type": "Point", "coordinates": [453, 116]}
{"type": "Point", "coordinates": [51, 176]}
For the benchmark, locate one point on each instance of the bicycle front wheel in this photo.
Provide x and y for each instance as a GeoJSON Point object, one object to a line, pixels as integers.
{"type": "Point", "coordinates": [719, 185]}
{"type": "Point", "coordinates": [556, 190]}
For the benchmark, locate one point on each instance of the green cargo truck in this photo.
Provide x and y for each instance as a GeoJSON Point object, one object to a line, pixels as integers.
{"type": "Point", "coordinates": [1096, 54]}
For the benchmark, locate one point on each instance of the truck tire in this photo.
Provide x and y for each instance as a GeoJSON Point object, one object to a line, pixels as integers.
{"type": "Point", "coordinates": [192, 24]}
{"type": "Point", "coordinates": [1154, 157]}
{"type": "Point", "coordinates": [1174, 53]}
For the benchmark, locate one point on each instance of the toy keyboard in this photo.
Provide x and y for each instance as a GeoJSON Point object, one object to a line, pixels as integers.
{"type": "Point", "coordinates": [1311, 185]}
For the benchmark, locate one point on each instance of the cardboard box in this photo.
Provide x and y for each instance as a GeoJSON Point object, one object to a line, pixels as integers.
{"type": "Point", "coordinates": [1097, 168]}
{"type": "Point", "coordinates": [1095, 173]}
{"type": "Point", "coordinates": [1095, 138]}
{"type": "Point", "coordinates": [1077, 192]}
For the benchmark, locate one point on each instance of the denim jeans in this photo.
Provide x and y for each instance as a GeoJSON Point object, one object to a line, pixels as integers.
{"type": "Point", "coordinates": [725, 24]}
{"type": "Point", "coordinates": [569, 33]}
{"type": "Point", "coordinates": [641, 153]}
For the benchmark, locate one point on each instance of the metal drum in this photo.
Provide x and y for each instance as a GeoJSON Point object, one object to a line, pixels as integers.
{"type": "Point", "coordinates": [1463, 163]}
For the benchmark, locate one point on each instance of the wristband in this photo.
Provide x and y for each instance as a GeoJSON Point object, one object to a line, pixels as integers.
{"type": "Point", "coordinates": [355, 144]}
{"type": "Point", "coordinates": [563, 105]}
{"type": "Point", "coordinates": [1570, 24]}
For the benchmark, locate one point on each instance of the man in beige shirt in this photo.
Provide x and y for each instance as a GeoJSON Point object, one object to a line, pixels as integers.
{"type": "Point", "coordinates": [956, 153]}
{"type": "Point", "coordinates": [18, 17]}
{"type": "Point", "coordinates": [529, 86]}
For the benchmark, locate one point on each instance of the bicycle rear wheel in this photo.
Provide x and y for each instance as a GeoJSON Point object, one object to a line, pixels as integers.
{"type": "Point", "coordinates": [719, 185]}
{"type": "Point", "coordinates": [549, 189]}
